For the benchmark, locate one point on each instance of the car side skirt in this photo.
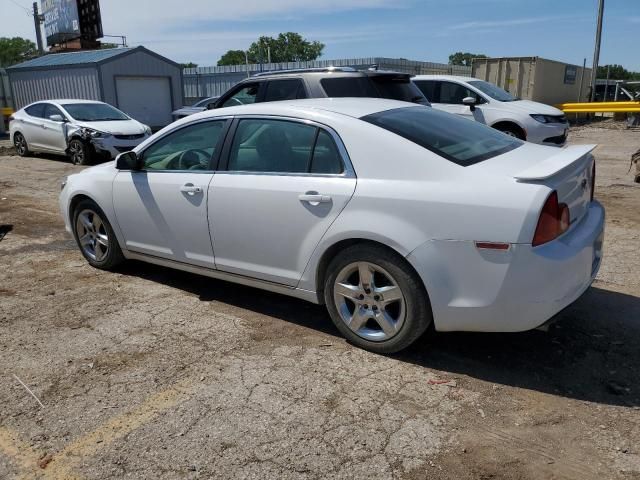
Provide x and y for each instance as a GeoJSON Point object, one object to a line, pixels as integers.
{"type": "Point", "coordinates": [307, 295]}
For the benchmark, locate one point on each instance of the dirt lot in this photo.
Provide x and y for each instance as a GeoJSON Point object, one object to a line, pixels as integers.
{"type": "Point", "coordinates": [152, 373]}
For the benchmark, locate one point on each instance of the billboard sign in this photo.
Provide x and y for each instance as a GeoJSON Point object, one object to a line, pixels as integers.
{"type": "Point", "coordinates": [61, 21]}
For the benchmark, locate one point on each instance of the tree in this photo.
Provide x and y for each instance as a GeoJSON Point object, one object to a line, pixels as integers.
{"type": "Point", "coordinates": [286, 47]}
{"type": "Point", "coordinates": [616, 72]}
{"type": "Point", "coordinates": [233, 57]}
{"type": "Point", "coordinates": [188, 65]}
{"type": "Point", "coordinates": [106, 46]}
{"type": "Point", "coordinates": [15, 50]}
{"type": "Point", "coordinates": [464, 58]}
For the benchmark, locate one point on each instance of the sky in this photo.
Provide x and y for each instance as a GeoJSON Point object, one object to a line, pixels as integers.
{"type": "Point", "coordinates": [201, 31]}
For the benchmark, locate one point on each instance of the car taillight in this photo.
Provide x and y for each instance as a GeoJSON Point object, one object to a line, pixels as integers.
{"type": "Point", "coordinates": [593, 180]}
{"type": "Point", "coordinates": [554, 220]}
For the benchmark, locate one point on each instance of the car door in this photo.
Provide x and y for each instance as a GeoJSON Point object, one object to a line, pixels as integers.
{"type": "Point", "coordinates": [283, 184]}
{"type": "Point", "coordinates": [447, 96]}
{"type": "Point", "coordinates": [162, 209]}
{"type": "Point", "coordinates": [54, 136]}
{"type": "Point", "coordinates": [32, 126]}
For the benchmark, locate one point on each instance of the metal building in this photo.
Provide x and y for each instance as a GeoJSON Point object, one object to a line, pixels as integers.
{"type": "Point", "coordinates": [205, 82]}
{"type": "Point", "coordinates": [143, 84]}
{"type": "Point", "coordinates": [536, 78]}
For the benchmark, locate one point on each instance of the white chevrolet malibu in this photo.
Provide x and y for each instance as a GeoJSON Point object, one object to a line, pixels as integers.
{"type": "Point", "coordinates": [80, 129]}
{"type": "Point", "coordinates": [393, 215]}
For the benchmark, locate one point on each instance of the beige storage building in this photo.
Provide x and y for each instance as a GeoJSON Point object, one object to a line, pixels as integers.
{"type": "Point", "coordinates": [535, 78]}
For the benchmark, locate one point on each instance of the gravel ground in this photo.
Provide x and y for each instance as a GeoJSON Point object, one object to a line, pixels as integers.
{"type": "Point", "coordinates": [153, 373]}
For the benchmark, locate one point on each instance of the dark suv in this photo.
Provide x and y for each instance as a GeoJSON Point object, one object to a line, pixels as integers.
{"type": "Point", "coordinates": [320, 83]}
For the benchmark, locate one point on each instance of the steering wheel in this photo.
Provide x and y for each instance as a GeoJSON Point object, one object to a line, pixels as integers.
{"type": "Point", "coordinates": [189, 160]}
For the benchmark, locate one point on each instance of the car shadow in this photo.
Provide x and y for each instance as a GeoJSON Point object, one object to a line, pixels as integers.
{"type": "Point", "coordinates": [590, 353]}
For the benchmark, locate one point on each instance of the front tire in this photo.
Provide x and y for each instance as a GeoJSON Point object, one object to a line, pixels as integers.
{"type": "Point", "coordinates": [95, 236]}
{"type": "Point", "coordinates": [376, 299]}
{"type": "Point", "coordinates": [79, 152]}
{"type": "Point", "coordinates": [20, 144]}
{"type": "Point", "coordinates": [512, 130]}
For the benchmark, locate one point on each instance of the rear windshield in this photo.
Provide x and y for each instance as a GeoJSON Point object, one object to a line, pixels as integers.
{"type": "Point", "coordinates": [460, 140]}
{"type": "Point", "coordinates": [382, 86]}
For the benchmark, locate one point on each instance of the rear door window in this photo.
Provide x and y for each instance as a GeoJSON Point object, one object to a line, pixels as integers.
{"type": "Point", "coordinates": [286, 89]}
{"type": "Point", "coordinates": [36, 110]}
{"type": "Point", "coordinates": [348, 87]}
{"type": "Point", "coordinates": [430, 89]}
{"type": "Point", "coordinates": [398, 88]}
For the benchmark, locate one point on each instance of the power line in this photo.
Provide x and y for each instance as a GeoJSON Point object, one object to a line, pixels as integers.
{"type": "Point", "coordinates": [27, 10]}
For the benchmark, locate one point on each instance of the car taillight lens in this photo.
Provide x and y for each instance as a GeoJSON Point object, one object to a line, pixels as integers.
{"type": "Point", "coordinates": [593, 180]}
{"type": "Point", "coordinates": [554, 220]}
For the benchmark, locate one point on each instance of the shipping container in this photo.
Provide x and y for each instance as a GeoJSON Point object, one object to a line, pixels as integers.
{"type": "Point", "coordinates": [536, 78]}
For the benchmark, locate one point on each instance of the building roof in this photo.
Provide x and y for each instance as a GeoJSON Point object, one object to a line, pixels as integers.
{"type": "Point", "coordinates": [83, 57]}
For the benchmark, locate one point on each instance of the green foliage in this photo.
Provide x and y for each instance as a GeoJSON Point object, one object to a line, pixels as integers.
{"type": "Point", "coordinates": [286, 47]}
{"type": "Point", "coordinates": [617, 72]}
{"type": "Point", "coordinates": [233, 57]}
{"type": "Point", "coordinates": [189, 65]}
{"type": "Point", "coordinates": [15, 50]}
{"type": "Point", "coordinates": [464, 58]}
{"type": "Point", "coordinates": [106, 46]}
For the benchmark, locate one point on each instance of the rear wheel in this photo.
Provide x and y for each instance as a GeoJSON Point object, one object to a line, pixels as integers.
{"type": "Point", "coordinates": [20, 144]}
{"type": "Point", "coordinates": [79, 152]}
{"type": "Point", "coordinates": [375, 299]}
{"type": "Point", "coordinates": [95, 236]}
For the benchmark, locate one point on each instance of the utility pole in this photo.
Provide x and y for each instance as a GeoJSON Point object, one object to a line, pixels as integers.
{"type": "Point", "coordinates": [596, 52]}
{"type": "Point", "coordinates": [37, 20]}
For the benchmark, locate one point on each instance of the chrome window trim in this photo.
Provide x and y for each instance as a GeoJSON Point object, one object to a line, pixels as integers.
{"type": "Point", "coordinates": [348, 172]}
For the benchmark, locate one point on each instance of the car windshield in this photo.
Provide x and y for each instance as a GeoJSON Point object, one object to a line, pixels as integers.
{"type": "Point", "coordinates": [203, 103]}
{"type": "Point", "coordinates": [493, 91]}
{"type": "Point", "coordinates": [94, 112]}
{"type": "Point", "coordinates": [457, 139]}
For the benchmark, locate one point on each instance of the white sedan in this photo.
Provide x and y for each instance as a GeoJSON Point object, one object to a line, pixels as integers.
{"type": "Point", "coordinates": [394, 215]}
{"type": "Point", "coordinates": [79, 129]}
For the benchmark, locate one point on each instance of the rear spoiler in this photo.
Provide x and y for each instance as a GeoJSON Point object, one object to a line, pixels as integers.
{"type": "Point", "coordinates": [548, 168]}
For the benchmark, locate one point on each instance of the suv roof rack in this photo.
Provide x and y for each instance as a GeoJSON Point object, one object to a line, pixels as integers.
{"type": "Point", "coordinates": [307, 70]}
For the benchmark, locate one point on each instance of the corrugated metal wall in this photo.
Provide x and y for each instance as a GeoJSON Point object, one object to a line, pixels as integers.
{"type": "Point", "coordinates": [204, 82]}
{"type": "Point", "coordinates": [32, 85]}
{"type": "Point", "coordinates": [143, 65]}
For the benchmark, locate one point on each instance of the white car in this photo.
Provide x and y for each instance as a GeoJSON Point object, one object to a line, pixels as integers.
{"type": "Point", "coordinates": [80, 129]}
{"type": "Point", "coordinates": [489, 104]}
{"type": "Point", "coordinates": [392, 214]}
{"type": "Point", "coordinates": [200, 106]}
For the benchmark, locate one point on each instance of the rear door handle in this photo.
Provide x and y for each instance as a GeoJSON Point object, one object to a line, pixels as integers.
{"type": "Point", "coordinates": [190, 188]}
{"type": "Point", "coordinates": [314, 198]}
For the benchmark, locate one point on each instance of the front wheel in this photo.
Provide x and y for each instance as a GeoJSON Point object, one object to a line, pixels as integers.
{"type": "Point", "coordinates": [95, 236]}
{"type": "Point", "coordinates": [79, 152]}
{"type": "Point", "coordinates": [20, 143]}
{"type": "Point", "coordinates": [376, 299]}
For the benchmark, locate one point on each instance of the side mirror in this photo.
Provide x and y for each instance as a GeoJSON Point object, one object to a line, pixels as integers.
{"type": "Point", "coordinates": [470, 102]}
{"type": "Point", "coordinates": [57, 118]}
{"type": "Point", "coordinates": [128, 161]}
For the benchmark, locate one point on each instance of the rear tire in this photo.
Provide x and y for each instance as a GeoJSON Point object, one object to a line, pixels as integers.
{"type": "Point", "coordinates": [376, 299]}
{"type": "Point", "coordinates": [95, 236]}
{"type": "Point", "coordinates": [79, 152]}
{"type": "Point", "coordinates": [20, 144]}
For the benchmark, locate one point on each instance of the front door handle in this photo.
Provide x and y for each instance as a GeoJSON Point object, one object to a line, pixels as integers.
{"type": "Point", "coordinates": [314, 198]}
{"type": "Point", "coordinates": [190, 189]}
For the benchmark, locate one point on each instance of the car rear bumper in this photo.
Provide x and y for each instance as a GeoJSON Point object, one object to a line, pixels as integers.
{"type": "Point", "coordinates": [514, 290]}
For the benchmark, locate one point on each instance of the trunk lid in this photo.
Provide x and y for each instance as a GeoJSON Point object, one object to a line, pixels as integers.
{"type": "Point", "coordinates": [567, 170]}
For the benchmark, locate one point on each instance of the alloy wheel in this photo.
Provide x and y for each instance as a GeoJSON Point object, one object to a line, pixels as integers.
{"type": "Point", "coordinates": [20, 143]}
{"type": "Point", "coordinates": [76, 151]}
{"type": "Point", "coordinates": [92, 235]}
{"type": "Point", "coordinates": [369, 301]}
